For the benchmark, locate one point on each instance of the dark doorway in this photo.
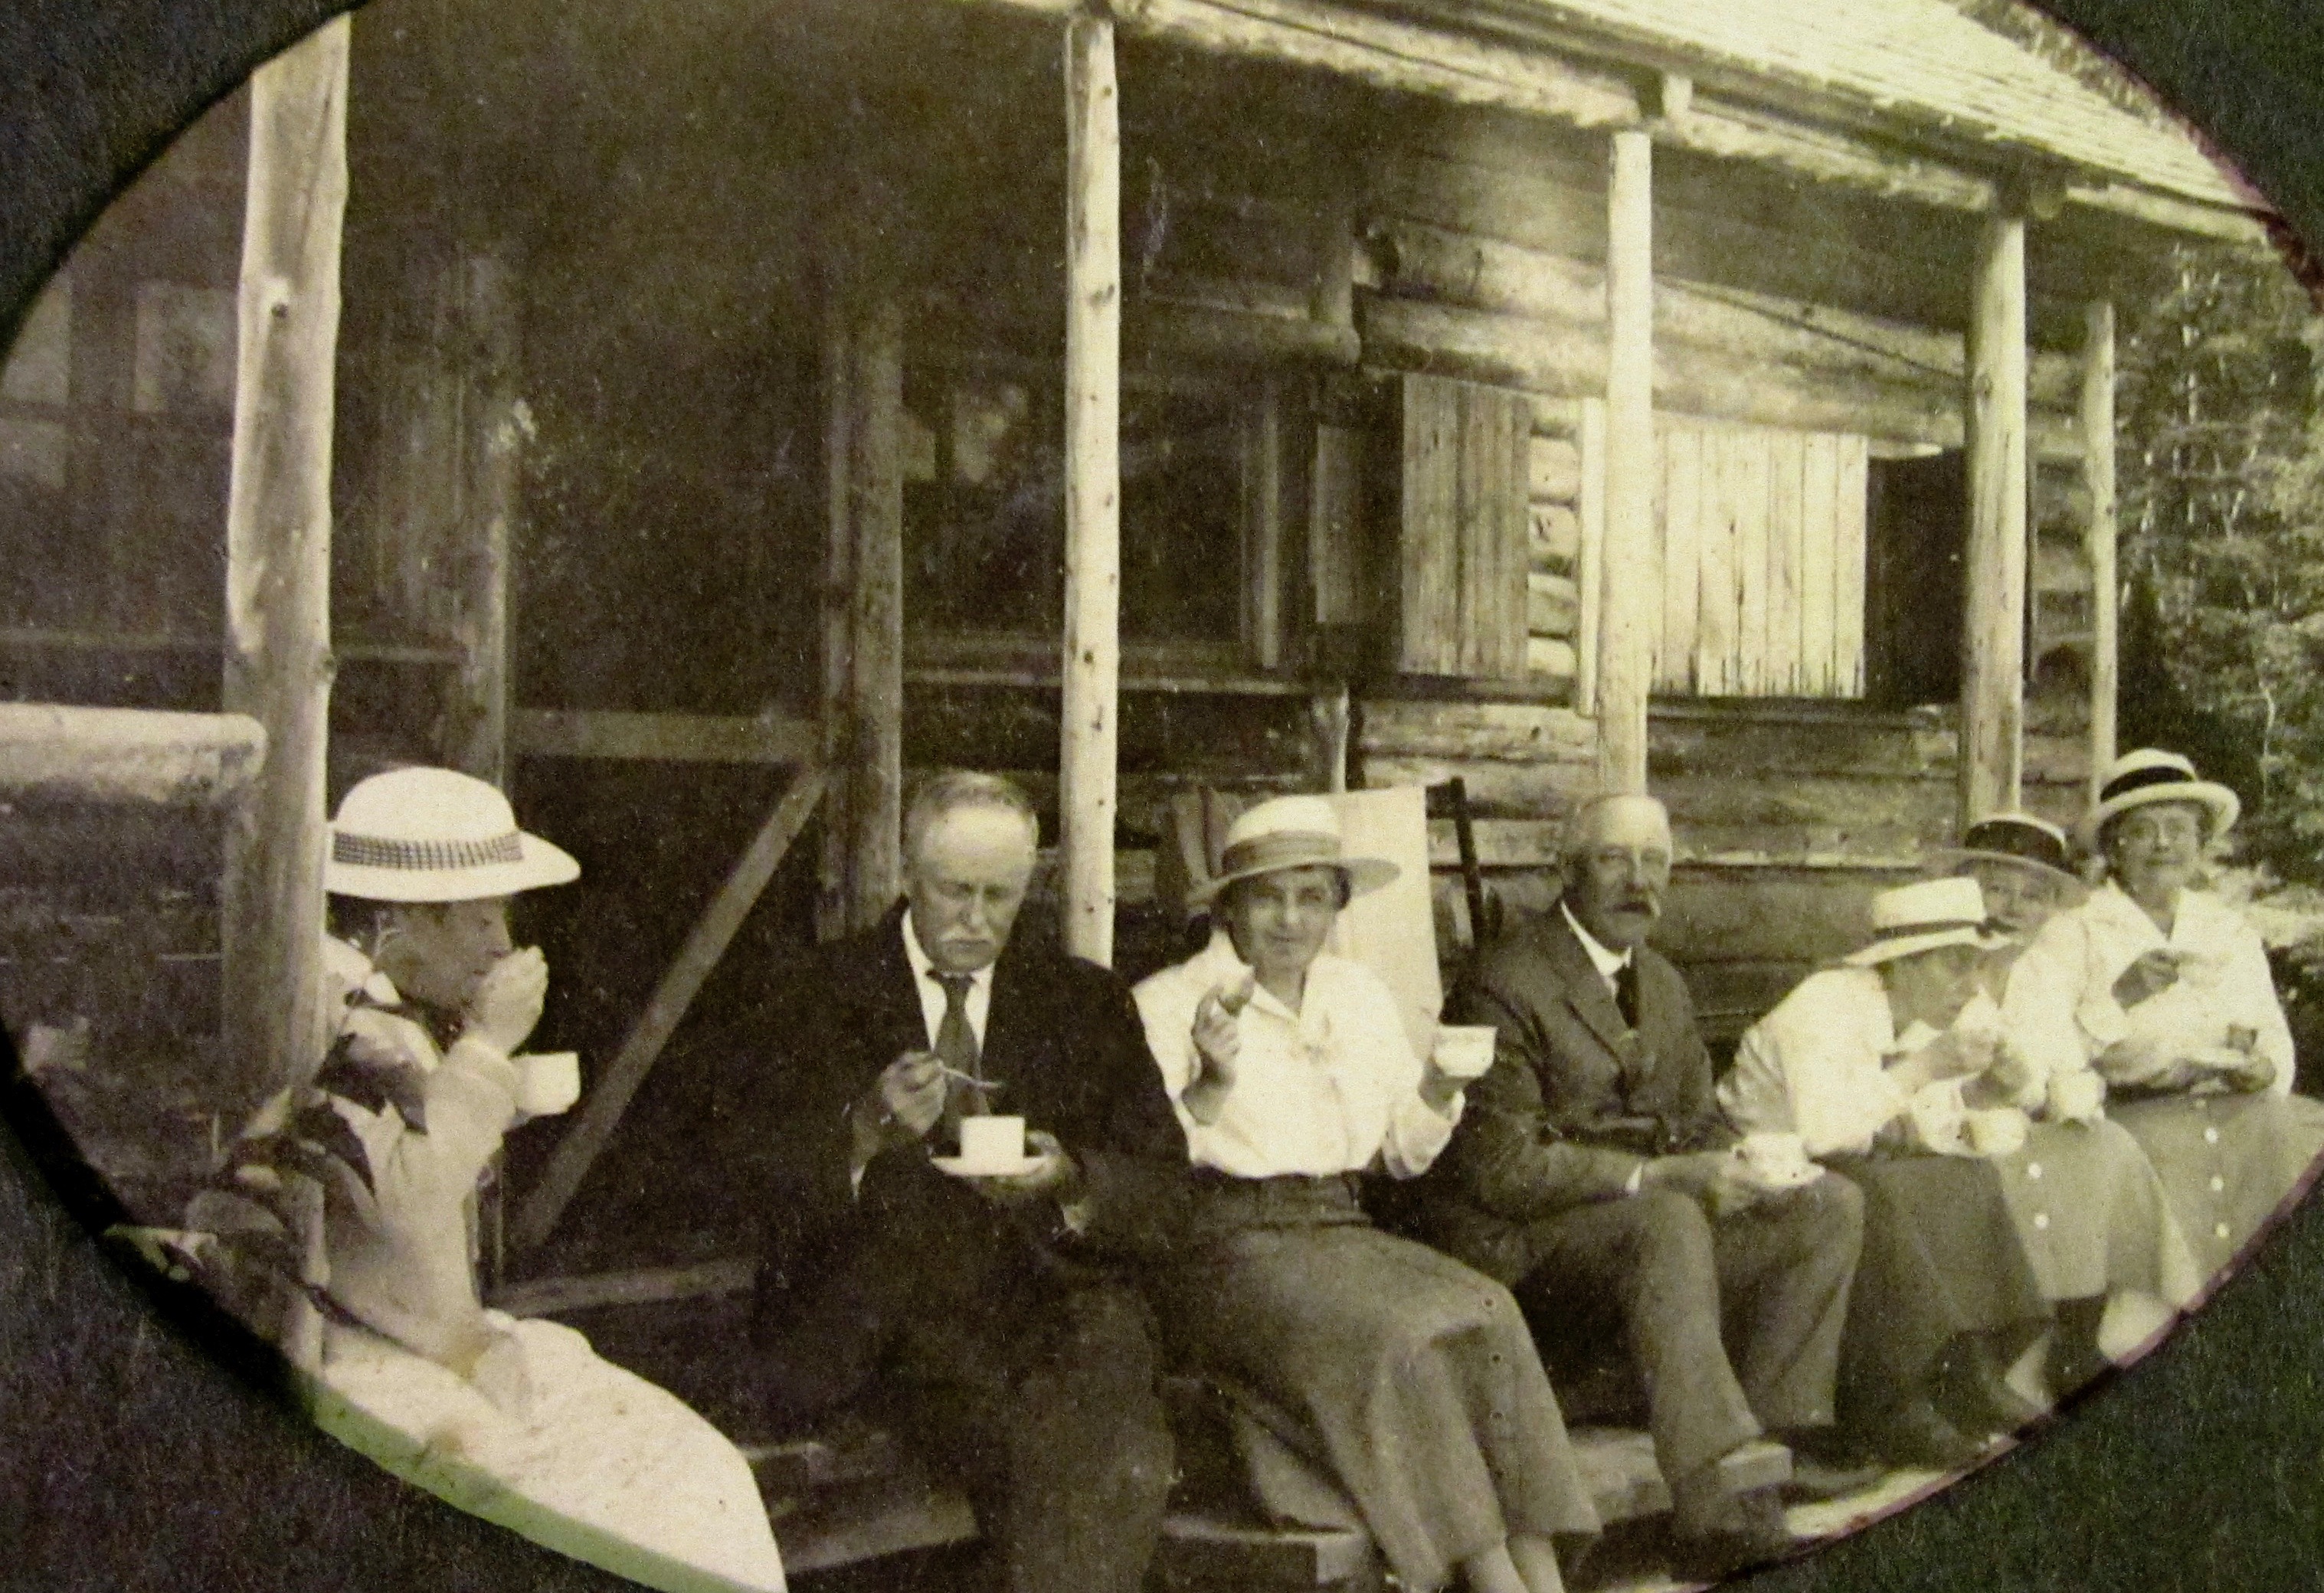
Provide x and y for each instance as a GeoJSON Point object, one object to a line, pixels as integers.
{"type": "Point", "coordinates": [1915, 583]}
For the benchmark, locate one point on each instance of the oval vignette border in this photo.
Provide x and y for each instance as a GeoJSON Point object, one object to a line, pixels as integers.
{"type": "Point", "coordinates": [136, 1456]}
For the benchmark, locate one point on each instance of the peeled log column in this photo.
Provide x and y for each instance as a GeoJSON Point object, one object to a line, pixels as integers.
{"type": "Point", "coordinates": [278, 659]}
{"type": "Point", "coordinates": [1993, 657]}
{"type": "Point", "coordinates": [1092, 642]}
{"type": "Point", "coordinates": [2099, 534]}
{"type": "Point", "coordinates": [1627, 597]}
{"type": "Point", "coordinates": [477, 729]}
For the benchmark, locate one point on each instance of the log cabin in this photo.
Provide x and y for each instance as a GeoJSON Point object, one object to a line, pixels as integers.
{"type": "Point", "coordinates": [704, 424]}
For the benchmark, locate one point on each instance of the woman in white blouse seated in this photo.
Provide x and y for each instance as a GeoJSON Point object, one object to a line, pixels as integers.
{"type": "Point", "coordinates": [1412, 1378]}
{"type": "Point", "coordinates": [2097, 1226]}
{"type": "Point", "coordinates": [1867, 1063]}
{"type": "Point", "coordinates": [2165, 990]}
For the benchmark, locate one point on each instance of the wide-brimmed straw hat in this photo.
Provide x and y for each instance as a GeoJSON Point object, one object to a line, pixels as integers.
{"type": "Point", "coordinates": [2150, 774]}
{"type": "Point", "coordinates": [1289, 832]}
{"type": "Point", "coordinates": [435, 835]}
{"type": "Point", "coordinates": [2034, 844]}
{"type": "Point", "coordinates": [1925, 917]}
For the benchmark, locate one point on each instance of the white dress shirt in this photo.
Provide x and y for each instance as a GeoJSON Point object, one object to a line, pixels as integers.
{"type": "Point", "coordinates": [1608, 964]}
{"type": "Point", "coordinates": [2059, 1002]}
{"type": "Point", "coordinates": [1815, 1066]}
{"type": "Point", "coordinates": [932, 994]}
{"type": "Point", "coordinates": [1331, 1088]}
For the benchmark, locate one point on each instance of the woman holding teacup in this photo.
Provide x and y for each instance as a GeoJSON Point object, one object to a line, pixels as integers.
{"type": "Point", "coordinates": [1867, 1063]}
{"type": "Point", "coordinates": [2093, 1217]}
{"type": "Point", "coordinates": [342, 1221]}
{"type": "Point", "coordinates": [2164, 989]}
{"type": "Point", "coordinates": [1414, 1378]}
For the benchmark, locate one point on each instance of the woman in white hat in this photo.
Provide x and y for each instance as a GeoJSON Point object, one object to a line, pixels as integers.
{"type": "Point", "coordinates": [1866, 1062]}
{"type": "Point", "coordinates": [516, 1420]}
{"type": "Point", "coordinates": [1413, 1378]}
{"type": "Point", "coordinates": [2096, 1224]}
{"type": "Point", "coordinates": [2164, 989]}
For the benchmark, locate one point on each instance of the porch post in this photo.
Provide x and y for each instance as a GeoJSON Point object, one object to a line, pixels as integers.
{"type": "Point", "coordinates": [492, 446]}
{"type": "Point", "coordinates": [2098, 536]}
{"type": "Point", "coordinates": [1993, 655]}
{"type": "Point", "coordinates": [1627, 597]}
{"type": "Point", "coordinates": [864, 605]}
{"type": "Point", "coordinates": [278, 643]}
{"type": "Point", "coordinates": [1092, 642]}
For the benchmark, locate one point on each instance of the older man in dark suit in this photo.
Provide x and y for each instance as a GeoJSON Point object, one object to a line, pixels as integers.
{"type": "Point", "coordinates": [996, 1317]}
{"type": "Point", "coordinates": [1593, 1175]}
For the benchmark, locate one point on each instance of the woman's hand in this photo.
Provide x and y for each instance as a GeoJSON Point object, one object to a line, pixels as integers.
{"type": "Point", "coordinates": [1218, 1045]}
{"type": "Point", "coordinates": [1955, 1053]}
{"type": "Point", "coordinates": [2153, 973]}
{"type": "Point", "coordinates": [1440, 1092]}
{"type": "Point", "coordinates": [507, 1003]}
{"type": "Point", "coordinates": [2239, 1069]}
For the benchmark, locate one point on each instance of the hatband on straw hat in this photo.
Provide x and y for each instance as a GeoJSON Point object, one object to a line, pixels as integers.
{"type": "Point", "coordinates": [1290, 833]}
{"type": "Point", "coordinates": [435, 835]}
{"type": "Point", "coordinates": [1926, 916]}
{"type": "Point", "coordinates": [2034, 844]}
{"type": "Point", "coordinates": [2148, 776]}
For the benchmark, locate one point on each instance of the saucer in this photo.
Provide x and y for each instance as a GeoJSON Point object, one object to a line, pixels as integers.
{"type": "Point", "coordinates": [1799, 1180]}
{"type": "Point", "coordinates": [959, 1168]}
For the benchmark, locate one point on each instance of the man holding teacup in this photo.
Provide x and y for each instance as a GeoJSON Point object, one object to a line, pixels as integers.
{"type": "Point", "coordinates": [1593, 1174]}
{"type": "Point", "coordinates": [965, 1152]}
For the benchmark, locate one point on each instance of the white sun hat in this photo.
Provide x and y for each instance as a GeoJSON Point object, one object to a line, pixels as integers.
{"type": "Point", "coordinates": [435, 835]}
{"type": "Point", "coordinates": [2151, 775]}
{"type": "Point", "coordinates": [1925, 917]}
{"type": "Point", "coordinates": [1290, 833]}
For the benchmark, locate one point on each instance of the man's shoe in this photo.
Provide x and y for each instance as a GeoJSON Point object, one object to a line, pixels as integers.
{"type": "Point", "coordinates": [1814, 1480]}
{"type": "Point", "coordinates": [1749, 1531]}
{"type": "Point", "coordinates": [1916, 1434]}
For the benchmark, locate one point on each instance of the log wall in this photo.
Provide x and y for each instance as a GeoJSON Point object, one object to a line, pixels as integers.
{"type": "Point", "coordinates": [1786, 820]}
{"type": "Point", "coordinates": [1481, 245]}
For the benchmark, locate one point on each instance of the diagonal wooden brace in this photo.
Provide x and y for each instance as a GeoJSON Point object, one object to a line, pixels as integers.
{"type": "Point", "coordinates": [601, 1113]}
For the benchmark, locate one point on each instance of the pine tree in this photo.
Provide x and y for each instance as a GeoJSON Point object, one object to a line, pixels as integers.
{"type": "Point", "coordinates": [2223, 519]}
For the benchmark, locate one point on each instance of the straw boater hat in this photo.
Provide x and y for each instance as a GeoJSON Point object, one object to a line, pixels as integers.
{"type": "Point", "coordinates": [2035, 845]}
{"type": "Point", "coordinates": [2148, 776]}
{"type": "Point", "coordinates": [1289, 832]}
{"type": "Point", "coordinates": [1925, 917]}
{"type": "Point", "coordinates": [435, 835]}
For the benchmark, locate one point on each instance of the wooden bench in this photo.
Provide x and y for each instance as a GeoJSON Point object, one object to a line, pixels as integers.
{"type": "Point", "coordinates": [853, 1492]}
{"type": "Point", "coordinates": [860, 1494]}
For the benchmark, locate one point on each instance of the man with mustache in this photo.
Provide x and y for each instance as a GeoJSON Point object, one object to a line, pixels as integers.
{"type": "Point", "coordinates": [993, 1318]}
{"type": "Point", "coordinates": [1593, 1175]}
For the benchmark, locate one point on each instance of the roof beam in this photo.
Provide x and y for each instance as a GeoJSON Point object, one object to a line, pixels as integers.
{"type": "Point", "coordinates": [1409, 57]}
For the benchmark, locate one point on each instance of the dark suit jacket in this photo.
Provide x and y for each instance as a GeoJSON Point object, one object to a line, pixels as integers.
{"type": "Point", "coordinates": [1064, 1037]}
{"type": "Point", "coordinates": [1574, 1100]}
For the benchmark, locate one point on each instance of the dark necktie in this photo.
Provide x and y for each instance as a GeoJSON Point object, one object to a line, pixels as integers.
{"type": "Point", "coordinates": [956, 1049]}
{"type": "Point", "coordinates": [1625, 991]}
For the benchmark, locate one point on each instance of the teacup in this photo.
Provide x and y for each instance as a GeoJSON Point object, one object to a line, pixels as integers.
{"type": "Point", "coordinates": [991, 1145]}
{"type": "Point", "coordinates": [1771, 1159]}
{"type": "Point", "coordinates": [1994, 1131]}
{"type": "Point", "coordinates": [2076, 1097]}
{"type": "Point", "coordinates": [1464, 1050]}
{"type": "Point", "coordinates": [548, 1082]}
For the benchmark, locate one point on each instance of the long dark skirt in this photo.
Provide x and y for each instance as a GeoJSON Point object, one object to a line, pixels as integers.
{"type": "Point", "coordinates": [1412, 1379]}
{"type": "Point", "coordinates": [2226, 1162]}
{"type": "Point", "coordinates": [1942, 1257]}
{"type": "Point", "coordinates": [2093, 1217]}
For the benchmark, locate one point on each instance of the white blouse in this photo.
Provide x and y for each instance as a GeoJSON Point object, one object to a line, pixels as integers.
{"type": "Point", "coordinates": [1815, 1066]}
{"type": "Point", "coordinates": [2059, 1004]}
{"type": "Point", "coordinates": [1331, 1088]}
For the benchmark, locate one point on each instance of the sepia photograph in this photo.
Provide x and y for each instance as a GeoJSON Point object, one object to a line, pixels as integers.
{"type": "Point", "coordinates": [1224, 795]}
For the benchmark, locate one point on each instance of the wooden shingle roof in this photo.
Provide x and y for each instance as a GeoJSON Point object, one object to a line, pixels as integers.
{"type": "Point", "coordinates": [1920, 61]}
